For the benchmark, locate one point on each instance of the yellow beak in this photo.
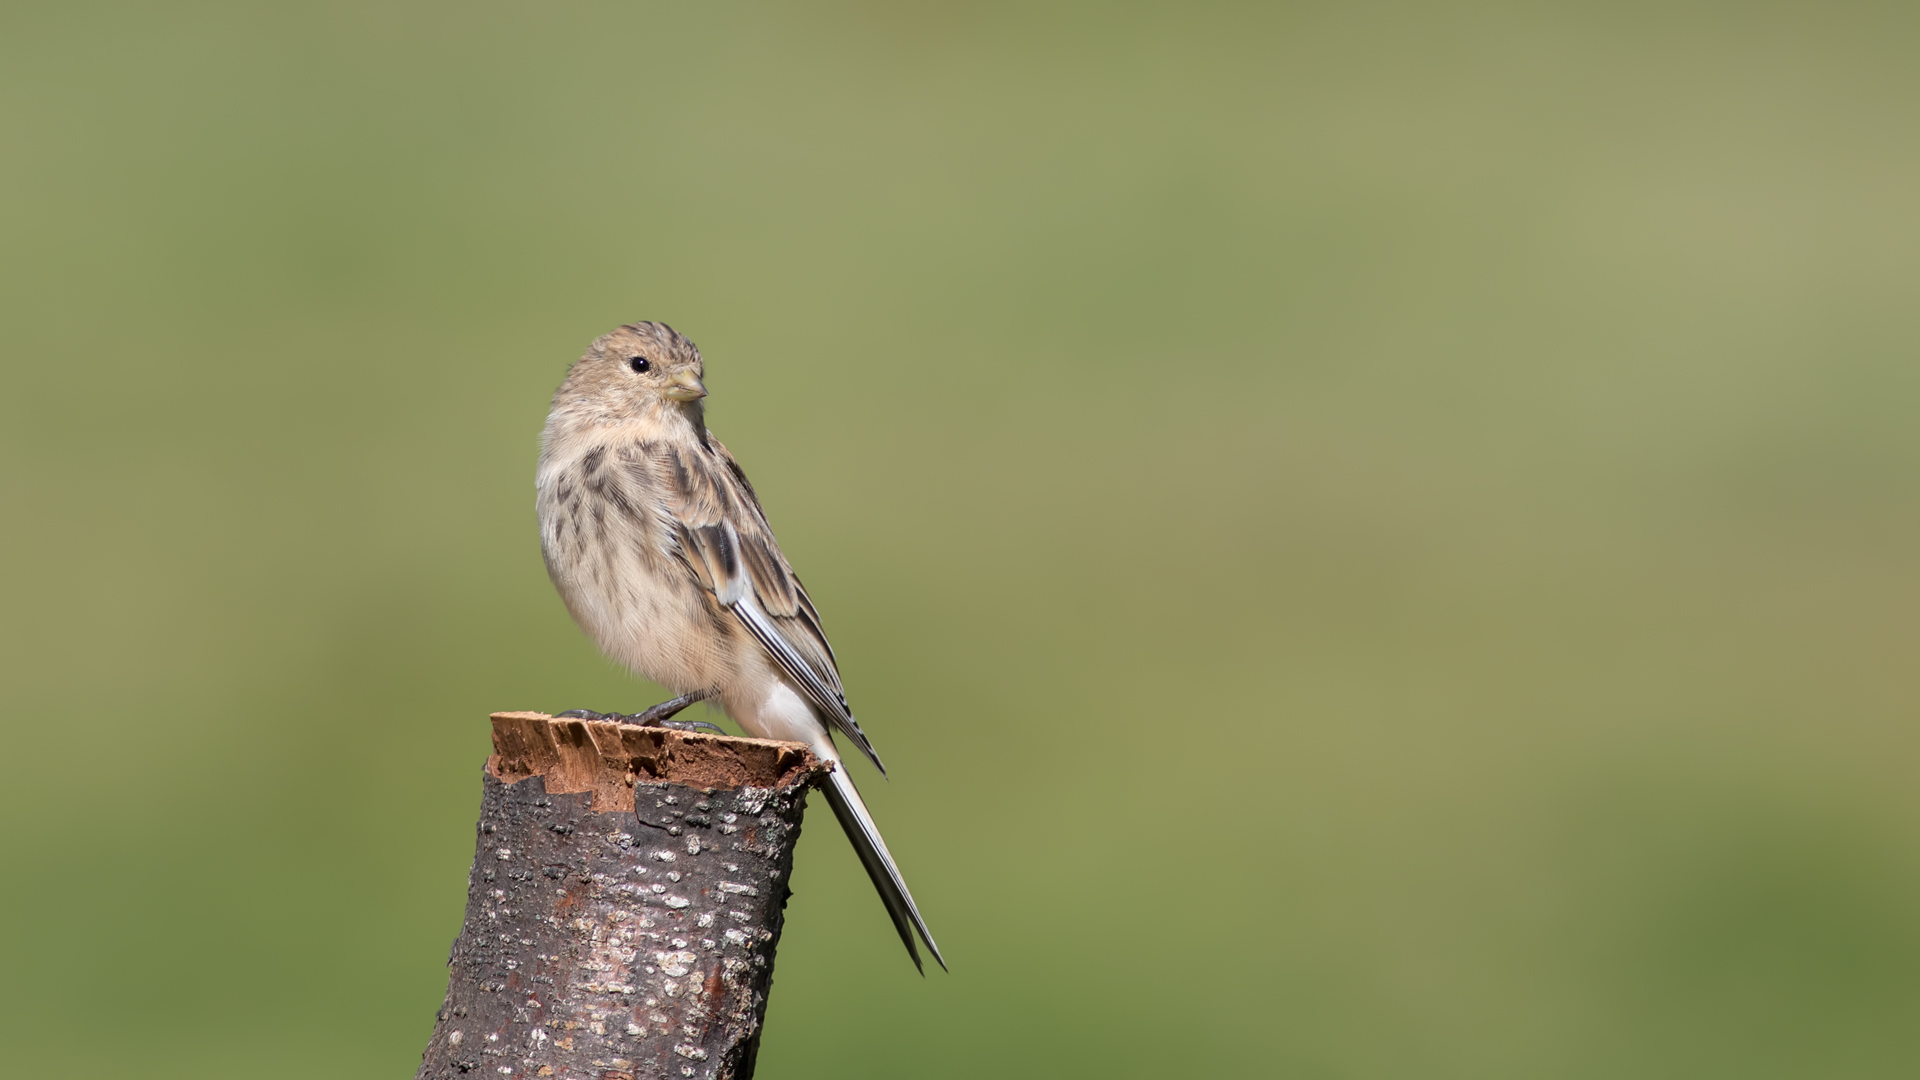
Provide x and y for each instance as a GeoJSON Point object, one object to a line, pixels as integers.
{"type": "Point", "coordinates": [686, 386]}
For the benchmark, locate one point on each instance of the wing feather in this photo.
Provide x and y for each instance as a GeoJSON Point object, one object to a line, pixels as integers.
{"type": "Point", "coordinates": [724, 539]}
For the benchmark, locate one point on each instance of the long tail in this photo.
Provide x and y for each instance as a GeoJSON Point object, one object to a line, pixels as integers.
{"type": "Point", "coordinates": [852, 812]}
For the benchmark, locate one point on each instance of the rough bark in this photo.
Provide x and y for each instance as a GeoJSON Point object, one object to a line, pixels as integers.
{"type": "Point", "coordinates": [608, 942]}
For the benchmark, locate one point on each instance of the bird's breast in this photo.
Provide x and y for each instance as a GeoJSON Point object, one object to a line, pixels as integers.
{"type": "Point", "coordinates": [611, 549]}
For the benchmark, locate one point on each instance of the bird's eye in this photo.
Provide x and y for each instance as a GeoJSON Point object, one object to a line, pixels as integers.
{"type": "Point", "coordinates": [639, 363]}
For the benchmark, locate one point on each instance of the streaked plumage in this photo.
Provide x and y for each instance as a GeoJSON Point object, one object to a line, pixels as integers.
{"type": "Point", "coordinates": [660, 549]}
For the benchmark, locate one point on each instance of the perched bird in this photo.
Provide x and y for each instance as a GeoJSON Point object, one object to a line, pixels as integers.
{"type": "Point", "coordinates": [659, 547]}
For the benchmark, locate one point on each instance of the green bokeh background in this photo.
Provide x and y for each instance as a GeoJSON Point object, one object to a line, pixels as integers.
{"type": "Point", "coordinates": [1376, 541]}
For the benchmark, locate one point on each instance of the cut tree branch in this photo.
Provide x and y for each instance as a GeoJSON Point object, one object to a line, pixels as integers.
{"type": "Point", "coordinates": [626, 897]}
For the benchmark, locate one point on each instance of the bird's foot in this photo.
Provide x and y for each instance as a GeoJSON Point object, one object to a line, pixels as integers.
{"type": "Point", "coordinates": [689, 725]}
{"type": "Point", "coordinates": [660, 715]}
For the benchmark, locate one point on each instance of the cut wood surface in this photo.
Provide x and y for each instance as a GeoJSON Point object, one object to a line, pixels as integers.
{"type": "Point", "coordinates": [626, 897]}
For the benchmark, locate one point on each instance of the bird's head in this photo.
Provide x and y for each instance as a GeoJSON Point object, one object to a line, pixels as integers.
{"type": "Point", "coordinates": [643, 370]}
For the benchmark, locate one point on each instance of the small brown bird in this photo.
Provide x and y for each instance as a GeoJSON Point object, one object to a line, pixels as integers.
{"type": "Point", "coordinates": [659, 547]}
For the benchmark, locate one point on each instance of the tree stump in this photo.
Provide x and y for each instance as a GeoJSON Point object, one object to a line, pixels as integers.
{"type": "Point", "coordinates": [626, 898]}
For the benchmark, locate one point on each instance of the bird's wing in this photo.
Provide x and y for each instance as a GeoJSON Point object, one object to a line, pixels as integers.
{"type": "Point", "coordinates": [724, 539]}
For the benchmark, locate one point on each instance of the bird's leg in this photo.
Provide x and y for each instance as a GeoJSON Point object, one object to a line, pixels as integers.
{"type": "Point", "coordinates": [661, 715]}
{"type": "Point", "coordinates": [657, 716]}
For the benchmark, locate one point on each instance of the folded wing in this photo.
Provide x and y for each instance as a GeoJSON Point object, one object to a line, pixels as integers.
{"type": "Point", "coordinates": [724, 539]}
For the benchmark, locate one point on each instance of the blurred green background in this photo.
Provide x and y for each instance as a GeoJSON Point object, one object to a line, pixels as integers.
{"type": "Point", "coordinates": [1376, 541]}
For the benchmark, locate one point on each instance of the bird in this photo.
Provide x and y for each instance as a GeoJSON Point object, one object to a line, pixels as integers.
{"type": "Point", "coordinates": [659, 548]}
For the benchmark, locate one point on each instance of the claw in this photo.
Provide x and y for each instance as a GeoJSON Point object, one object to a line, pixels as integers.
{"type": "Point", "coordinates": [584, 714]}
{"type": "Point", "coordinates": [689, 725]}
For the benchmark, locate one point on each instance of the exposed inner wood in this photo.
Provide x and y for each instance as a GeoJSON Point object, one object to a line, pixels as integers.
{"type": "Point", "coordinates": [606, 758]}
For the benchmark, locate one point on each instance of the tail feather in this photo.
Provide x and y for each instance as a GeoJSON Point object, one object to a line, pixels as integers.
{"type": "Point", "coordinates": [858, 823]}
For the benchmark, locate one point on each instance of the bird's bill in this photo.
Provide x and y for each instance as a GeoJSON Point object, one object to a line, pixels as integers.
{"type": "Point", "coordinates": [686, 387]}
